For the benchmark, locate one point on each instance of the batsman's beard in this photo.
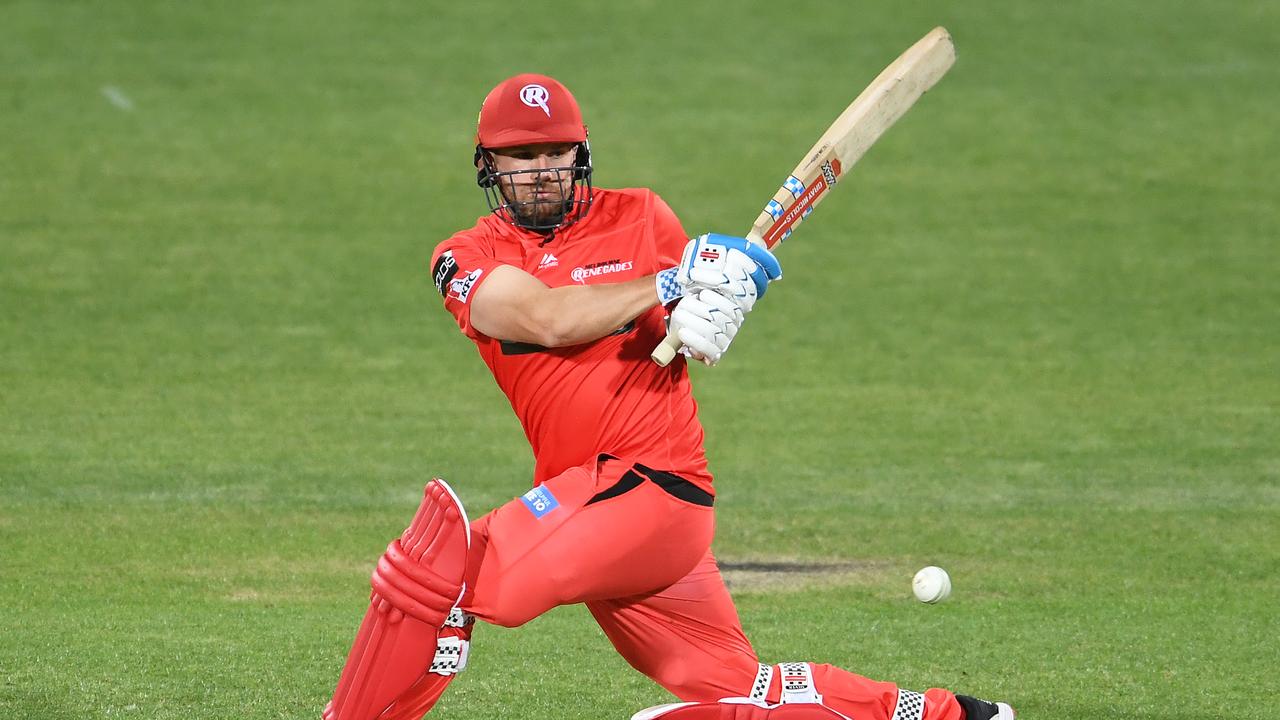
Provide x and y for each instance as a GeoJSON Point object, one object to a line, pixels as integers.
{"type": "Point", "coordinates": [541, 200]}
{"type": "Point", "coordinates": [539, 204]}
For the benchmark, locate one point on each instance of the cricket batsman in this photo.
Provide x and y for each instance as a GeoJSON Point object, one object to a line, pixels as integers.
{"type": "Point", "coordinates": [564, 288]}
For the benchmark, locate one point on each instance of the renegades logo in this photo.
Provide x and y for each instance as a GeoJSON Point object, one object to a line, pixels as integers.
{"type": "Point", "coordinates": [585, 272]}
{"type": "Point", "coordinates": [534, 95]}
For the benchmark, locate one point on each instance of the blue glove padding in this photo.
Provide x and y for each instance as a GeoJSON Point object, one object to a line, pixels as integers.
{"type": "Point", "coordinates": [711, 250]}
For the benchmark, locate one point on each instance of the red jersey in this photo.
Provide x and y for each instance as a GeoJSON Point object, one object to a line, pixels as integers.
{"type": "Point", "coordinates": [604, 396]}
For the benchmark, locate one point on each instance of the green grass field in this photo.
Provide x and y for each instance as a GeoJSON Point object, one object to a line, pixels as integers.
{"type": "Point", "coordinates": [1035, 340]}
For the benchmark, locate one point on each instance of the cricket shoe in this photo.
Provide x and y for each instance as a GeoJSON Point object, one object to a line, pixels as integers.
{"type": "Point", "coordinates": [975, 709]}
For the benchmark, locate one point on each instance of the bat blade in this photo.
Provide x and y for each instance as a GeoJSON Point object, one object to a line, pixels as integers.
{"type": "Point", "coordinates": [874, 111]}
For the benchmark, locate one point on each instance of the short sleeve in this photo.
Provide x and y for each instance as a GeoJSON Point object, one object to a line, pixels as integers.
{"type": "Point", "coordinates": [459, 265]}
{"type": "Point", "coordinates": [669, 236]}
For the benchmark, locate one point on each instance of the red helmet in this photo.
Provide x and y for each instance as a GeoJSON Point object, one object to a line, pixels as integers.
{"type": "Point", "coordinates": [528, 109]}
{"type": "Point", "coordinates": [532, 109]}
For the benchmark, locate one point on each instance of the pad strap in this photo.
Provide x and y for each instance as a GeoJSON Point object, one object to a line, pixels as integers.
{"type": "Point", "coordinates": [910, 706]}
{"type": "Point", "coordinates": [764, 678]}
{"type": "Point", "coordinates": [459, 618]}
{"type": "Point", "coordinates": [451, 656]}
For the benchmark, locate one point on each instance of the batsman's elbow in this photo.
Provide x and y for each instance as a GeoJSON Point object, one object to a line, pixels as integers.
{"type": "Point", "coordinates": [539, 326]}
{"type": "Point", "coordinates": [557, 332]}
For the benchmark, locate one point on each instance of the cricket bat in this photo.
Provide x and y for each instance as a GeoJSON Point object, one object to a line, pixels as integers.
{"type": "Point", "coordinates": [886, 99]}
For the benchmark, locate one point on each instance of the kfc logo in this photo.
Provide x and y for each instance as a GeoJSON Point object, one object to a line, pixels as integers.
{"type": "Point", "coordinates": [460, 288]}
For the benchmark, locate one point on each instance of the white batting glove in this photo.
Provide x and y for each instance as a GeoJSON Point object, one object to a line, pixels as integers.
{"type": "Point", "coordinates": [735, 267]}
{"type": "Point", "coordinates": [706, 322]}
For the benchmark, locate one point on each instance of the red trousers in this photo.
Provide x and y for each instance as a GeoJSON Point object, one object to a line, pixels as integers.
{"type": "Point", "coordinates": [634, 546]}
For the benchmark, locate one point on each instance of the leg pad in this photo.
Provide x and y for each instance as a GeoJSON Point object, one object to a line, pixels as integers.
{"type": "Point", "coordinates": [415, 586]}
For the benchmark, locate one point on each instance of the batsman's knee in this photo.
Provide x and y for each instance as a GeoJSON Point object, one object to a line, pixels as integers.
{"type": "Point", "coordinates": [402, 639]}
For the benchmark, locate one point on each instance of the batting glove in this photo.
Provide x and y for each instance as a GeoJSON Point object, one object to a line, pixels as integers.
{"type": "Point", "coordinates": [737, 268]}
{"type": "Point", "coordinates": [706, 322]}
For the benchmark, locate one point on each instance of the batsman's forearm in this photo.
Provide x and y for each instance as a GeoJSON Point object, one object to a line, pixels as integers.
{"type": "Point", "coordinates": [581, 313]}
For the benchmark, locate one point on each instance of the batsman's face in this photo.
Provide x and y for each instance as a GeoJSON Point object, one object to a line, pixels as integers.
{"type": "Point", "coordinates": [536, 180]}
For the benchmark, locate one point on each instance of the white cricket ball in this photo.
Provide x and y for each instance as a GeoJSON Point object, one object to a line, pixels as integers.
{"type": "Point", "coordinates": [931, 585]}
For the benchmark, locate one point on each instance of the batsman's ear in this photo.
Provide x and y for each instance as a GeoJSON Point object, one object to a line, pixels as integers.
{"type": "Point", "coordinates": [582, 160]}
{"type": "Point", "coordinates": [485, 174]}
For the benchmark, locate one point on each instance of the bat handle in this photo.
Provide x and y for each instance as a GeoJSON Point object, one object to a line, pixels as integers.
{"type": "Point", "coordinates": [666, 350]}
